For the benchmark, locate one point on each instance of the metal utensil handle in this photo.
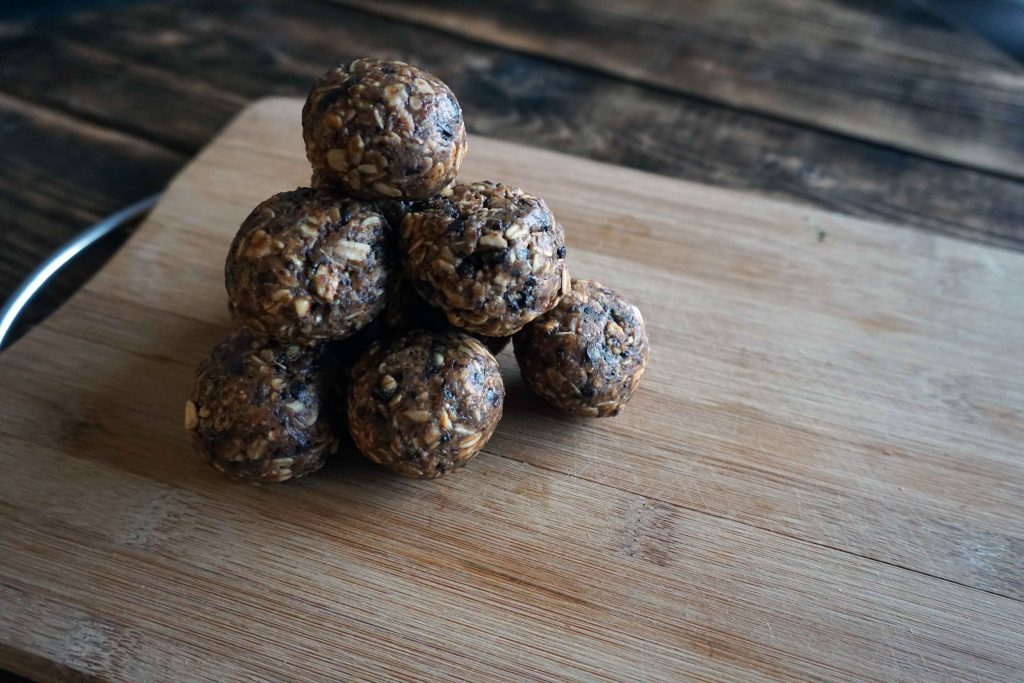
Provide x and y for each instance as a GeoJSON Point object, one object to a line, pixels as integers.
{"type": "Point", "coordinates": [34, 282]}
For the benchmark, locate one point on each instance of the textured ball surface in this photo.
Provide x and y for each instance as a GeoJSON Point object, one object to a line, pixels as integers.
{"type": "Point", "coordinates": [308, 265]}
{"type": "Point", "coordinates": [425, 403]}
{"type": "Point", "coordinates": [383, 130]}
{"type": "Point", "coordinates": [587, 355]}
{"type": "Point", "coordinates": [488, 255]}
{"type": "Point", "coordinates": [256, 412]}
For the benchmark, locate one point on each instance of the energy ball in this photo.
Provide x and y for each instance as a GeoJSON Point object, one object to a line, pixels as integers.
{"type": "Point", "coordinates": [308, 265]}
{"type": "Point", "coordinates": [488, 255]}
{"type": "Point", "coordinates": [383, 130]}
{"type": "Point", "coordinates": [406, 310]}
{"type": "Point", "coordinates": [257, 413]}
{"type": "Point", "coordinates": [425, 403]}
{"type": "Point", "coordinates": [587, 355]}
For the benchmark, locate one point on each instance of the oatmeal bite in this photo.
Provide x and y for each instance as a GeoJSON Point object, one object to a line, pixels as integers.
{"type": "Point", "coordinates": [488, 255]}
{"type": "Point", "coordinates": [308, 265]}
{"type": "Point", "coordinates": [425, 403]}
{"type": "Point", "coordinates": [406, 310]}
{"type": "Point", "coordinates": [587, 355]}
{"type": "Point", "coordinates": [383, 130]}
{"type": "Point", "coordinates": [256, 412]}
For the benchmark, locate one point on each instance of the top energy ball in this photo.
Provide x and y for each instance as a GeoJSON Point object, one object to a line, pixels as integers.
{"type": "Point", "coordinates": [383, 130]}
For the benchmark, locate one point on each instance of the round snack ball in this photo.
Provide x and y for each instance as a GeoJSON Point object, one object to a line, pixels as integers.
{"type": "Point", "coordinates": [383, 130]}
{"type": "Point", "coordinates": [425, 403]}
{"type": "Point", "coordinates": [309, 265]}
{"type": "Point", "coordinates": [489, 255]}
{"type": "Point", "coordinates": [257, 412]}
{"type": "Point", "coordinates": [587, 355]}
{"type": "Point", "coordinates": [406, 310]}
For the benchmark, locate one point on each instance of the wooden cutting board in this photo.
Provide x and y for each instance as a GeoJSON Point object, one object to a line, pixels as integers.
{"type": "Point", "coordinates": [821, 477]}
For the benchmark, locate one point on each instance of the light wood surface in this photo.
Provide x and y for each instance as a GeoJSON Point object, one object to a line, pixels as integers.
{"type": "Point", "coordinates": [821, 477]}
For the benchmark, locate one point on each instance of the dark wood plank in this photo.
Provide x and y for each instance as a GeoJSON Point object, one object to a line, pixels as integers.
{"type": "Point", "coordinates": [176, 110]}
{"type": "Point", "coordinates": [58, 176]}
{"type": "Point", "coordinates": [194, 57]}
{"type": "Point", "coordinates": [877, 70]}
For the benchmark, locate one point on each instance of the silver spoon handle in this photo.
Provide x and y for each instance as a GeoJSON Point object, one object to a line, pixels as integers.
{"type": "Point", "coordinates": [34, 282]}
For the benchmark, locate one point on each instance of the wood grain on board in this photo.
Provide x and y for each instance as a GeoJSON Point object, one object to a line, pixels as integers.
{"type": "Point", "coordinates": [820, 477]}
{"type": "Point", "coordinates": [881, 70]}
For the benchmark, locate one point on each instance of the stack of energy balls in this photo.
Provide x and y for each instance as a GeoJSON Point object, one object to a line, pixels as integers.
{"type": "Point", "coordinates": [376, 299]}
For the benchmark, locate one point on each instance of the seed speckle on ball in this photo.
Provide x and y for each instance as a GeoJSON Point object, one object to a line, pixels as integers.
{"type": "Point", "coordinates": [308, 265]}
{"type": "Point", "coordinates": [587, 355]}
{"type": "Point", "coordinates": [488, 255]}
{"type": "Point", "coordinates": [382, 129]}
{"type": "Point", "coordinates": [256, 412]}
{"type": "Point", "coordinates": [425, 403]}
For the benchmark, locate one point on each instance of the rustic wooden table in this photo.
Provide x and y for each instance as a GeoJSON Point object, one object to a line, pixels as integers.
{"type": "Point", "coordinates": [874, 109]}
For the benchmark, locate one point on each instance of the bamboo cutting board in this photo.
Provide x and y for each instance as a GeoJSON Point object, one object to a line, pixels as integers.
{"type": "Point", "coordinates": [821, 477]}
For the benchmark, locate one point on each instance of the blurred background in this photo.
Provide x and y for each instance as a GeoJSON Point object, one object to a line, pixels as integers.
{"type": "Point", "coordinates": [895, 110]}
